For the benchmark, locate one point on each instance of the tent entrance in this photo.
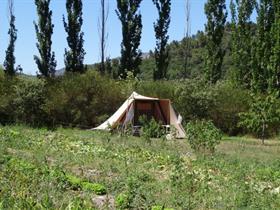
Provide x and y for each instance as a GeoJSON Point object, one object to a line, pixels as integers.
{"type": "Point", "coordinates": [150, 109]}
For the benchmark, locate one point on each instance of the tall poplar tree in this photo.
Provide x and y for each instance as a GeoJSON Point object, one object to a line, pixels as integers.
{"type": "Point", "coordinates": [103, 33]}
{"type": "Point", "coordinates": [74, 57]}
{"type": "Point", "coordinates": [242, 40]}
{"type": "Point", "coordinates": [215, 11]}
{"type": "Point", "coordinates": [274, 67]}
{"type": "Point", "coordinates": [131, 20]}
{"type": "Point", "coordinates": [187, 40]}
{"type": "Point", "coordinates": [263, 45]}
{"type": "Point", "coordinates": [161, 30]}
{"type": "Point", "coordinates": [9, 63]}
{"type": "Point", "coordinates": [46, 63]}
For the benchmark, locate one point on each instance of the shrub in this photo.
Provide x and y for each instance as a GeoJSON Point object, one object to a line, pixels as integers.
{"type": "Point", "coordinates": [203, 135]}
{"type": "Point", "coordinates": [97, 188]}
{"type": "Point", "coordinates": [193, 100]}
{"type": "Point", "coordinates": [161, 208]}
{"type": "Point", "coordinates": [7, 95]}
{"type": "Point", "coordinates": [229, 101]}
{"type": "Point", "coordinates": [122, 201]}
{"type": "Point", "coordinates": [83, 100]}
{"type": "Point", "coordinates": [77, 183]}
{"type": "Point", "coordinates": [150, 128]}
{"type": "Point", "coordinates": [263, 114]}
{"type": "Point", "coordinates": [221, 103]}
{"type": "Point", "coordinates": [30, 98]}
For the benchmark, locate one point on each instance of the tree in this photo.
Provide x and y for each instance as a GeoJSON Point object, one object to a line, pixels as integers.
{"type": "Point", "coordinates": [103, 34]}
{"type": "Point", "coordinates": [10, 60]}
{"type": "Point", "coordinates": [242, 41]}
{"type": "Point", "coordinates": [187, 40]}
{"type": "Point", "coordinates": [74, 57]}
{"type": "Point", "coordinates": [131, 20]}
{"type": "Point", "coordinates": [274, 66]}
{"type": "Point", "coordinates": [46, 63]}
{"type": "Point", "coordinates": [161, 29]}
{"type": "Point", "coordinates": [263, 113]}
{"type": "Point", "coordinates": [216, 18]}
{"type": "Point", "coordinates": [263, 46]}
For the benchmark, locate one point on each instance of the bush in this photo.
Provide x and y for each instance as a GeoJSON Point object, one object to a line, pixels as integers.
{"type": "Point", "coordinates": [77, 183]}
{"type": "Point", "coordinates": [229, 101]}
{"type": "Point", "coordinates": [97, 188]}
{"type": "Point", "coordinates": [263, 115]}
{"type": "Point", "coordinates": [7, 96]}
{"type": "Point", "coordinates": [81, 100]}
{"type": "Point", "coordinates": [150, 128]}
{"type": "Point", "coordinates": [30, 98]}
{"type": "Point", "coordinates": [220, 103]}
{"type": "Point", "coordinates": [122, 201]}
{"type": "Point", "coordinates": [203, 135]}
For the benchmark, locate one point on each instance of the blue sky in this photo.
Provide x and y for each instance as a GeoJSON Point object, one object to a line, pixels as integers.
{"type": "Point", "coordinates": [25, 12]}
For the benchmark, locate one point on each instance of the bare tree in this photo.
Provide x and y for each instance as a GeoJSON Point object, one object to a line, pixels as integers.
{"type": "Point", "coordinates": [103, 35]}
{"type": "Point", "coordinates": [186, 42]}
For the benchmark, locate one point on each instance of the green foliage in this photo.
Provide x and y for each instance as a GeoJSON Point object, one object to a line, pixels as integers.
{"type": "Point", "coordinates": [264, 113]}
{"type": "Point", "coordinates": [150, 128]}
{"type": "Point", "coordinates": [97, 188]}
{"type": "Point", "coordinates": [10, 60]}
{"type": "Point", "coordinates": [239, 175]}
{"type": "Point", "coordinates": [227, 102]}
{"type": "Point", "coordinates": [242, 41]}
{"type": "Point", "coordinates": [203, 135]}
{"type": "Point", "coordinates": [44, 30]}
{"type": "Point", "coordinates": [7, 96]}
{"type": "Point", "coordinates": [122, 201]}
{"type": "Point", "coordinates": [214, 29]}
{"type": "Point", "coordinates": [274, 66]}
{"type": "Point", "coordinates": [161, 208]}
{"type": "Point", "coordinates": [87, 104]}
{"type": "Point", "coordinates": [263, 46]}
{"type": "Point", "coordinates": [131, 20]}
{"type": "Point", "coordinates": [76, 182]}
{"type": "Point", "coordinates": [161, 29]}
{"type": "Point", "coordinates": [74, 57]}
{"type": "Point", "coordinates": [30, 97]}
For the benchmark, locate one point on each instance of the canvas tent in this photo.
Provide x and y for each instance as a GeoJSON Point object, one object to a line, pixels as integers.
{"type": "Point", "coordinates": [137, 105]}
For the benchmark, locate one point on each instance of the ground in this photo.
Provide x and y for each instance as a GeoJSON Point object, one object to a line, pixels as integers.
{"type": "Point", "coordinates": [75, 169]}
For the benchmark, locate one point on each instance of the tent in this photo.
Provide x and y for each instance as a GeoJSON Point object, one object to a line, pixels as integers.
{"type": "Point", "coordinates": [138, 105]}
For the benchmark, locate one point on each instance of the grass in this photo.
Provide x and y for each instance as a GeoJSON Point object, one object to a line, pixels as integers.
{"type": "Point", "coordinates": [74, 169]}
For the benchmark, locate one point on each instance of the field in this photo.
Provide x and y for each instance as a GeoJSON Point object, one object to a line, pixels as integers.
{"type": "Point", "coordinates": [74, 169]}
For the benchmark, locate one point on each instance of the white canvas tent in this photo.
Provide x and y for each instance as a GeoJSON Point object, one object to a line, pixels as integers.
{"type": "Point", "coordinates": [137, 105]}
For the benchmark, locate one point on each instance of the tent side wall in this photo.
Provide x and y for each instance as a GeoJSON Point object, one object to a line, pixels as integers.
{"type": "Point", "coordinates": [165, 107]}
{"type": "Point", "coordinates": [175, 122]}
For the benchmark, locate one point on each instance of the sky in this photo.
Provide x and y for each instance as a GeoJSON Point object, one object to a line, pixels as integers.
{"type": "Point", "coordinates": [25, 12]}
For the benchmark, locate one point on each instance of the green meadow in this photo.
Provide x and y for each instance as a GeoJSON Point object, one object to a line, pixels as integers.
{"type": "Point", "coordinates": [78, 169]}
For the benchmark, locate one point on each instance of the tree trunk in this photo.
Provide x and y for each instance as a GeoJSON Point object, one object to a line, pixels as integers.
{"type": "Point", "coordinates": [263, 128]}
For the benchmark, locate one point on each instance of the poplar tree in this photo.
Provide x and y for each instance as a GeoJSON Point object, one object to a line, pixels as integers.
{"type": "Point", "coordinates": [215, 11]}
{"type": "Point", "coordinates": [131, 20]}
{"type": "Point", "coordinates": [274, 67]}
{"type": "Point", "coordinates": [161, 30]}
{"type": "Point", "coordinates": [74, 57]}
{"type": "Point", "coordinates": [263, 46]}
{"type": "Point", "coordinates": [46, 63]}
{"type": "Point", "coordinates": [187, 41]}
{"type": "Point", "coordinates": [242, 40]}
{"type": "Point", "coordinates": [10, 60]}
{"type": "Point", "coordinates": [103, 34]}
